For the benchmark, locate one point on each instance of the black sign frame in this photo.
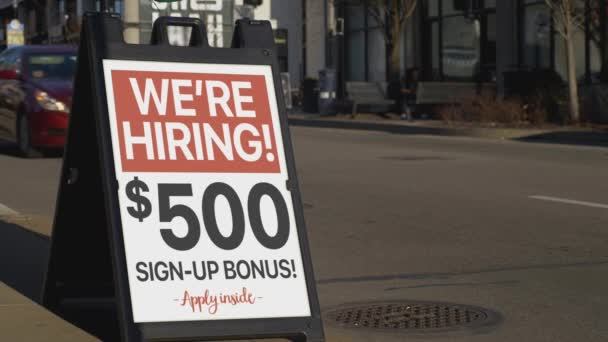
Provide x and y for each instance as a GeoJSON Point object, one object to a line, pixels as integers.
{"type": "Point", "coordinates": [86, 281]}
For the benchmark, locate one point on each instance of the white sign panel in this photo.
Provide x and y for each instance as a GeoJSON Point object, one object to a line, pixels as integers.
{"type": "Point", "coordinates": [207, 218]}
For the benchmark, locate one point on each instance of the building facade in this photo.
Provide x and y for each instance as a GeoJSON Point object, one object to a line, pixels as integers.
{"type": "Point", "coordinates": [58, 21]}
{"type": "Point", "coordinates": [461, 40]}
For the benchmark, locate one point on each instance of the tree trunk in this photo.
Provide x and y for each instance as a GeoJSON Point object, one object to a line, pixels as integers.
{"type": "Point", "coordinates": [396, 33]}
{"type": "Point", "coordinates": [572, 82]}
{"type": "Point", "coordinates": [394, 67]}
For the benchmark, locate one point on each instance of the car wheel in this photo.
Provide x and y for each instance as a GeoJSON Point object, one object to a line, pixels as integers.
{"type": "Point", "coordinates": [24, 140]}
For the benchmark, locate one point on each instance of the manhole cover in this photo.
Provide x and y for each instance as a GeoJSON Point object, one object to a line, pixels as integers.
{"type": "Point", "coordinates": [411, 316]}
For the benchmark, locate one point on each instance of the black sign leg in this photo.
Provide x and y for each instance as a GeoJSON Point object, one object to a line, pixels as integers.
{"type": "Point", "coordinates": [79, 284]}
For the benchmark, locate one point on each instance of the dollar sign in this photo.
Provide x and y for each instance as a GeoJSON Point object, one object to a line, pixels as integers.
{"type": "Point", "coordinates": [144, 207]}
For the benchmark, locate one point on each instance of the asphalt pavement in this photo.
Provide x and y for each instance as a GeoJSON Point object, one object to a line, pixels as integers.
{"type": "Point", "coordinates": [518, 228]}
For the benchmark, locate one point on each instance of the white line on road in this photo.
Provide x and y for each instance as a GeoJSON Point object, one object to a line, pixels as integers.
{"type": "Point", "coordinates": [6, 211]}
{"type": "Point", "coordinates": [570, 201]}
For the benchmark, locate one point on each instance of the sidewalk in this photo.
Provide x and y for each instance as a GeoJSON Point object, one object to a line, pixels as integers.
{"type": "Point", "coordinates": [23, 320]}
{"type": "Point", "coordinates": [392, 124]}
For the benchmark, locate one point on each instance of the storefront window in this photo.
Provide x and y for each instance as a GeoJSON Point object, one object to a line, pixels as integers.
{"type": "Point", "coordinates": [356, 56]}
{"type": "Point", "coordinates": [489, 47]}
{"type": "Point", "coordinates": [355, 43]}
{"type": "Point", "coordinates": [595, 62]}
{"type": "Point", "coordinates": [537, 37]}
{"type": "Point", "coordinates": [452, 7]}
{"type": "Point", "coordinates": [365, 46]}
{"type": "Point", "coordinates": [376, 51]}
{"type": "Point", "coordinates": [356, 18]}
{"type": "Point", "coordinates": [595, 38]}
{"type": "Point", "coordinates": [462, 40]}
{"type": "Point", "coordinates": [460, 47]}
{"type": "Point", "coordinates": [435, 70]}
{"type": "Point", "coordinates": [561, 61]}
{"type": "Point", "coordinates": [433, 8]}
{"type": "Point", "coordinates": [561, 58]}
{"type": "Point", "coordinates": [537, 51]}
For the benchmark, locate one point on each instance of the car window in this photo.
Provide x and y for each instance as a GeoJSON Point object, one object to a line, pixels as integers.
{"type": "Point", "coordinates": [58, 66]}
{"type": "Point", "coordinates": [9, 59]}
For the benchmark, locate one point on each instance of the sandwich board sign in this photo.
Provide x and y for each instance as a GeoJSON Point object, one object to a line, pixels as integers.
{"type": "Point", "coordinates": [179, 213]}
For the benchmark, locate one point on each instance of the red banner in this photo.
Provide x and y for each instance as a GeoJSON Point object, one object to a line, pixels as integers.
{"type": "Point", "coordinates": [193, 122]}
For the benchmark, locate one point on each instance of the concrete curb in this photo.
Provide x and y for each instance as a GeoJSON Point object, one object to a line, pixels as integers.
{"type": "Point", "coordinates": [575, 136]}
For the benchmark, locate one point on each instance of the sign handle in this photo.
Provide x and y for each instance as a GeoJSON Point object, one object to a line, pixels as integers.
{"type": "Point", "coordinates": [253, 34]}
{"type": "Point", "coordinates": [160, 36]}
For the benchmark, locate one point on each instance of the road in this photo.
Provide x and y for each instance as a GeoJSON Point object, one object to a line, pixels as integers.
{"type": "Point", "coordinates": [514, 227]}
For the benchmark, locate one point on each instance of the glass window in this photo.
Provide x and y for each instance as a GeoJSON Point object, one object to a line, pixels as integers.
{"type": "Point", "coordinates": [356, 56]}
{"type": "Point", "coordinates": [595, 60]}
{"type": "Point", "coordinates": [376, 55]}
{"type": "Point", "coordinates": [355, 19]}
{"type": "Point", "coordinates": [435, 71]}
{"type": "Point", "coordinates": [355, 43]}
{"type": "Point", "coordinates": [453, 7]}
{"type": "Point", "coordinates": [595, 29]}
{"type": "Point", "coordinates": [537, 37]}
{"type": "Point", "coordinates": [489, 4]}
{"type": "Point", "coordinates": [118, 6]}
{"type": "Point", "coordinates": [372, 22]}
{"type": "Point", "coordinates": [561, 64]}
{"type": "Point", "coordinates": [57, 66]}
{"type": "Point", "coordinates": [460, 47]}
{"type": "Point", "coordinates": [489, 49]}
{"type": "Point", "coordinates": [433, 8]}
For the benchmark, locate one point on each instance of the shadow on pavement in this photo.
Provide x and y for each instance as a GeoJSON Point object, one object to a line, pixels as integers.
{"type": "Point", "coordinates": [23, 264]}
{"type": "Point", "coordinates": [9, 149]}
{"type": "Point", "coordinates": [23, 259]}
{"type": "Point", "coordinates": [595, 138]}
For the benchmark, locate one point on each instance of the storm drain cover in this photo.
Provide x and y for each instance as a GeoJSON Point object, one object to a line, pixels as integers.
{"type": "Point", "coordinates": [411, 316]}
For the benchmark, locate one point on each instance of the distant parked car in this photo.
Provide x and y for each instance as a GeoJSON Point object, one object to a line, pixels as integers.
{"type": "Point", "coordinates": [36, 96]}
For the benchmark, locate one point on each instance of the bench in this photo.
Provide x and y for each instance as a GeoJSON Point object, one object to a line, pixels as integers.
{"type": "Point", "coordinates": [366, 93]}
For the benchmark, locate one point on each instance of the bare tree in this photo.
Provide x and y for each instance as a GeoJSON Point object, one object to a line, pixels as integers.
{"type": "Point", "coordinates": [594, 22]}
{"type": "Point", "coordinates": [567, 18]}
{"type": "Point", "coordinates": [391, 17]}
{"type": "Point", "coordinates": [593, 14]}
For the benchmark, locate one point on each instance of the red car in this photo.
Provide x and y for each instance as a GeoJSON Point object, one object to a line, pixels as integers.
{"type": "Point", "coordinates": [36, 95]}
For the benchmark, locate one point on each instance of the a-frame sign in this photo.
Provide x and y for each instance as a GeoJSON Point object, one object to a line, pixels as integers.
{"type": "Point", "coordinates": [179, 215]}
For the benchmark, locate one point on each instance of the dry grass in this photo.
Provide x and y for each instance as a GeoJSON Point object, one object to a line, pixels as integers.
{"type": "Point", "coordinates": [487, 109]}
